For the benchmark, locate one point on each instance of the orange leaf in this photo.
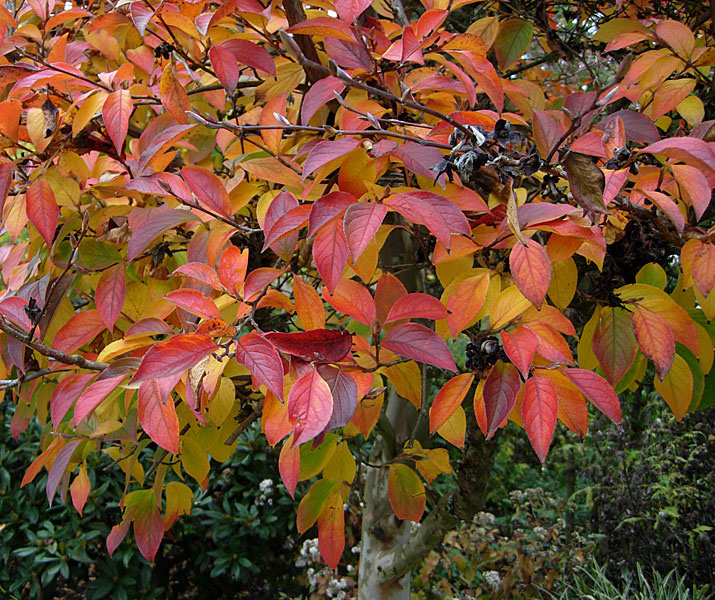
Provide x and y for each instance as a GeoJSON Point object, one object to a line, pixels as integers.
{"type": "Point", "coordinates": [531, 267]}
{"type": "Point", "coordinates": [703, 268]}
{"type": "Point", "coordinates": [655, 338]}
{"type": "Point", "coordinates": [289, 464]}
{"type": "Point", "coordinates": [539, 411]}
{"type": "Point", "coordinates": [331, 530]}
{"type": "Point", "coordinates": [406, 493]}
{"type": "Point", "coordinates": [173, 95]}
{"type": "Point", "coordinates": [467, 302]}
{"type": "Point", "coordinates": [308, 305]}
{"type": "Point", "coordinates": [79, 490]}
{"type": "Point", "coordinates": [448, 399]}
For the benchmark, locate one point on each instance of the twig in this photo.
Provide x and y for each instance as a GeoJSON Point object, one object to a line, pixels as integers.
{"type": "Point", "coordinates": [245, 424]}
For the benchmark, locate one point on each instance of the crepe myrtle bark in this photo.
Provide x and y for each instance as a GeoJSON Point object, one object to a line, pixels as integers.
{"type": "Point", "coordinates": [391, 548]}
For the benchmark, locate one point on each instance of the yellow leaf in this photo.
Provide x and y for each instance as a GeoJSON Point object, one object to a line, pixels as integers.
{"type": "Point", "coordinates": [407, 381]}
{"type": "Point", "coordinates": [508, 305]}
{"type": "Point", "coordinates": [454, 428]}
{"type": "Point", "coordinates": [341, 465]}
{"type": "Point", "coordinates": [194, 459]}
{"type": "Point", "coordinates": [692, 110]}
{"type": "Point", "coordinates": [221, 404]}
{"type": "Point", "coordinates": [90, 107]}
{"type": "Point", "coordinates": [564, 278]}
{"type": "Point", "coordinates": [179, 499]}
{"type": "Point", "coordinates": [677, 387]}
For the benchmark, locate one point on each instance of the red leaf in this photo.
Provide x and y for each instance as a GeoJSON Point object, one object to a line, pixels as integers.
{"type": "Point", "coordinates": [354, 299]}
{"type": "Point", "coordinates": [174, 355]}
{"type": "Point", "coordinates": [531, 267]}
{"type": "Point", "coordinates": [289, 465]}
{"type": "Point", "coordinates": [148, 526]}
{"type": "Point", "coordinates": [141, 15]}
{"type": "Point", "coordinates": [147, 223]}
{"type": "Point", "coordinates": [500, 389]}
{"type": "Point", "coordinates": [115, 112]}
{"type": "Point", "coordinates": [547, 131]}
{"type": "Point", "coordinates": [250, 54]}
{"type": "Point", "coordinates": [224, 65]}
{"type": "Point", "coordinates": [80, 329]}
{"type": "Point", "coordinates": [323, 345]}
{"type": "Point", "coordinates": [14, 309]}
{"type": "Point", "coordinates": [310, 405]}
{"type": "Point", "coordinates": [689, 150]}
{"type": "Point", "coordinates": [420, 159]}
{"type": "Point", "coordinates": [361, 222]}
{"type": "Point", "coordinates": [331, 530]}
{"type": "Point", "coordinates": [157, 413]}
{"type": "Point", "coordinates": [417, 306]}
{"type": "Point", "coordinates": [655, 338]}
{"type": "Point", "coordinates": [348, 10]}
{"type": "Point", "coordinates": [109, 297]}
{"type": "Point", "coordinates": [42, 209]}
{"type": "Point", "coordinates": [59, 466]}
{"type": "Point", "coordinates": [117, 534]}
{"type": "Point", "coordinates": [208, 189]}
{"type": "Point", "coordinates": [598, 391]}
{"type": "Point", "coordinates": [257, 281]}
{"type": "Point", "coordinates": [64, 395]}
{"type": "Point", "coordinates": [421, 344]}
{"type": "Point", "coordinates": [5, 183]}
{"type": "Point", "coordinates": [93, 395]}
{"type": "Point", "coordinates": [440, 215]}
{"type": "Point", "coordinates": [288, 223]}
{"type": "Point", "coordinates": [201, 273]}
{"type": "Point", "coordinates": [448, 399]}
{"type": "Point", "coordinates": [539, 412]}
{"type": "Point", "coordinates": [194, 302]}
{"type": "Point", "coordinates": [520, 345]}
{"type": "Point", "coordinates": [325, 151]}
{"type": "Point", "coordinates": [344, 390]}
{"type": "Point", "coordinates": [406, 493]}
{"type": "Point", "coordinates": [319, 94]}
{"type": "Point", "coordinates": [232, 267]}
{"type": "Point", "coordinates": [161, 143]}
{"type": "Point", "coordinates": [327, 208]}
{"type": "Point", "coordinates": [330, 253]}
{"type": "Point", "coordinates": [614, 344]}
{"type": "Point", "coordinates": [262, 360]}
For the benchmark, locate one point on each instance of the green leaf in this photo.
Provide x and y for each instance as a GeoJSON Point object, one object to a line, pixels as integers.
{"type": "Point", "coordinates": [512, 41]}
{"type": "Point", "coordinates": [97, 255]}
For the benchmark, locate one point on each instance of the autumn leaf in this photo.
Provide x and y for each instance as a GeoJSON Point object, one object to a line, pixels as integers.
{"type": "Point", "coordinates": [173, 356]}
{"type": "Point", "coordinates": [586, 182]}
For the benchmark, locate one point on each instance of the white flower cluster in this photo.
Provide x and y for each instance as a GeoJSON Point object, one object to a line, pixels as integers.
{"type": "Point", "coordinates": [336, 588]}
{"type": "Point", "coordinates": [493, 579]}
{"type": "Point", "coordinates": [309, 553]}
{"type": "Point", "coordinates": [266, 488]}
{"type": "Point", "coordinates": [540, 532]}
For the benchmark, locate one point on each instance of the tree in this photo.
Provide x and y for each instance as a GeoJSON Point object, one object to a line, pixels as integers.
{"type": "Point", "coordinates": [222, 212]}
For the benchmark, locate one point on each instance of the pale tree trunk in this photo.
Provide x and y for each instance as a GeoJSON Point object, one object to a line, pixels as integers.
{"type": "Point", "coordinates": [390, 549]}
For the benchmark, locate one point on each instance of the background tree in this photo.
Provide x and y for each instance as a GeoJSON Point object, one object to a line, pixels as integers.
{"type": "Point", "coordinates": [222, 212]}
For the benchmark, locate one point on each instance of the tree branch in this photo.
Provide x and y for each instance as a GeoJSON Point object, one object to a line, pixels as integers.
{"type": "Point", "coordinates": [63, 357]}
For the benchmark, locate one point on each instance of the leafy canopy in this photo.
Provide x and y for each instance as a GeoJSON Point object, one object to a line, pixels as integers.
{"type": "Point", "coordinates": [204, 199]}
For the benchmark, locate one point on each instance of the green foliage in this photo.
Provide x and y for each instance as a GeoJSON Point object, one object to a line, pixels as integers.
{"type": "Point", "coordinates": [240, 527]}
{"type": "Point", "coordinates": [594, 582]}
